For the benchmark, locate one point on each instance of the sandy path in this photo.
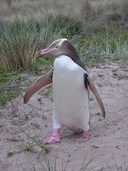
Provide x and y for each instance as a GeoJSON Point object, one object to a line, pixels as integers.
{"type": "Point", "coordinates": [108, 141]}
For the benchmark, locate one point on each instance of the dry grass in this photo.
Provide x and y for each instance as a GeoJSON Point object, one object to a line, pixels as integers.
{"type": "Point", "coordinates": [84, 9]}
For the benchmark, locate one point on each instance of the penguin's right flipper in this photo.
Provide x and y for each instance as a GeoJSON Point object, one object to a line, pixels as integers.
{"type": "Point", "coordinates": [37, 85]}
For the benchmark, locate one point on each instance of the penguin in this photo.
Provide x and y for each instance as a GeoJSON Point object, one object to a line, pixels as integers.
{"type": "Point", "coordinates": [71, 83]}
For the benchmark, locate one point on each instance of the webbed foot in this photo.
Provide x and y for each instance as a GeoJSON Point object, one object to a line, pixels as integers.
{"type": "Point", "coordinates": [84, 138]}
{"type": "Point", "coordinates": [54, 138]}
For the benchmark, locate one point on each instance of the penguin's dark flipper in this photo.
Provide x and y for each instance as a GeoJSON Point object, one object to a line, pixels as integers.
{"type": "Point", "coordinates": [37, 85]}
{"type": "Point", "coordinates": [96, 93]}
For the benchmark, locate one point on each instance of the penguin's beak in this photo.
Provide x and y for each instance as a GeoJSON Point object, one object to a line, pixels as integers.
{"type": "Point", "coordinates": [43, 51]}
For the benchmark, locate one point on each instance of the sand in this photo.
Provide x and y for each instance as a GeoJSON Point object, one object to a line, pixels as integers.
{"type": "Point", "coordinates": [108, 143]}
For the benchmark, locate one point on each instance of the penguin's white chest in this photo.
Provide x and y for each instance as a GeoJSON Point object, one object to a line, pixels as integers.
{"type": "Point", "coordinates": [70, 97]}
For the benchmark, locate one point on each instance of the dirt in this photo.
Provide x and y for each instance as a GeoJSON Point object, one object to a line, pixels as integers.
{"type": "Point", "coordinates": [107, 148]}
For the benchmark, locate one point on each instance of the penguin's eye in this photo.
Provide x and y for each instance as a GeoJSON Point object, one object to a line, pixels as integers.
{"type": "Point", "coordinates": [57, 46]}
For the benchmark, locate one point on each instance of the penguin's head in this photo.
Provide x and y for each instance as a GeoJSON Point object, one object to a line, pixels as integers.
{"type": "Point", "coordinates": [59, 47]}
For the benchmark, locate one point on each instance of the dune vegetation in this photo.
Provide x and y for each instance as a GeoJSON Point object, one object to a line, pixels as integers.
{"type": "Point", "coordinates": [98, 30]}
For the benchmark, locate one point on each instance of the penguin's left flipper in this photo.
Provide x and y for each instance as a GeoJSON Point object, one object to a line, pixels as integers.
{"type": "Point", "coordinates": [96, 93]}
{"type": "Point", "coordinates": [37, 85]}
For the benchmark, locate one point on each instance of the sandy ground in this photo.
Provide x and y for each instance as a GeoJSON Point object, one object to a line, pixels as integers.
{"type": "Point", "coordinates": [108, 143]}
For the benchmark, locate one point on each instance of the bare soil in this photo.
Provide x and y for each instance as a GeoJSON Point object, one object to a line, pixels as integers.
{"type": "Point", "coordinates": [108, 143]}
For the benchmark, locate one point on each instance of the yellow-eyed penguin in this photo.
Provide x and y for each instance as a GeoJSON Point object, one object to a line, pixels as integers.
{"type": "Point", "coordinates": [70, 81]}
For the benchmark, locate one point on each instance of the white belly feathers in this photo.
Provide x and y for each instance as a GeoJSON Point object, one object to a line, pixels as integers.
{"type": "Point", "coordinates": [70, 97]}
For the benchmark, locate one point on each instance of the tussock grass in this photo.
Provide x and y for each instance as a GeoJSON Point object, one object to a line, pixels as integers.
{"type": "Point", "coordinates": [17, 45]}
{"type": "Point", "coordinates": [25, 34]}
{"type": "Point", "coordinates": [20, 41]}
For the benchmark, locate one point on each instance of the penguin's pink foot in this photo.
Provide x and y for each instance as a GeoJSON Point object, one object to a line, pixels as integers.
{"type": "Point", "coordinates": [84, 138]}
{"type": "Point", "coordinates": [54, 138]}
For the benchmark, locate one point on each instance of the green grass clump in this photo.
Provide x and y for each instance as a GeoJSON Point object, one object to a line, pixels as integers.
{"type": "Point", "coordinates": [9, 86]}
{"type": "Point", "coordinates": [17, 46]}
{"type": "Point", "coordinates": [106, 44]}
{"type": "Point", "coordinates": [8, 95]}
{"type": "Point", "coordinates": [10, 154]}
